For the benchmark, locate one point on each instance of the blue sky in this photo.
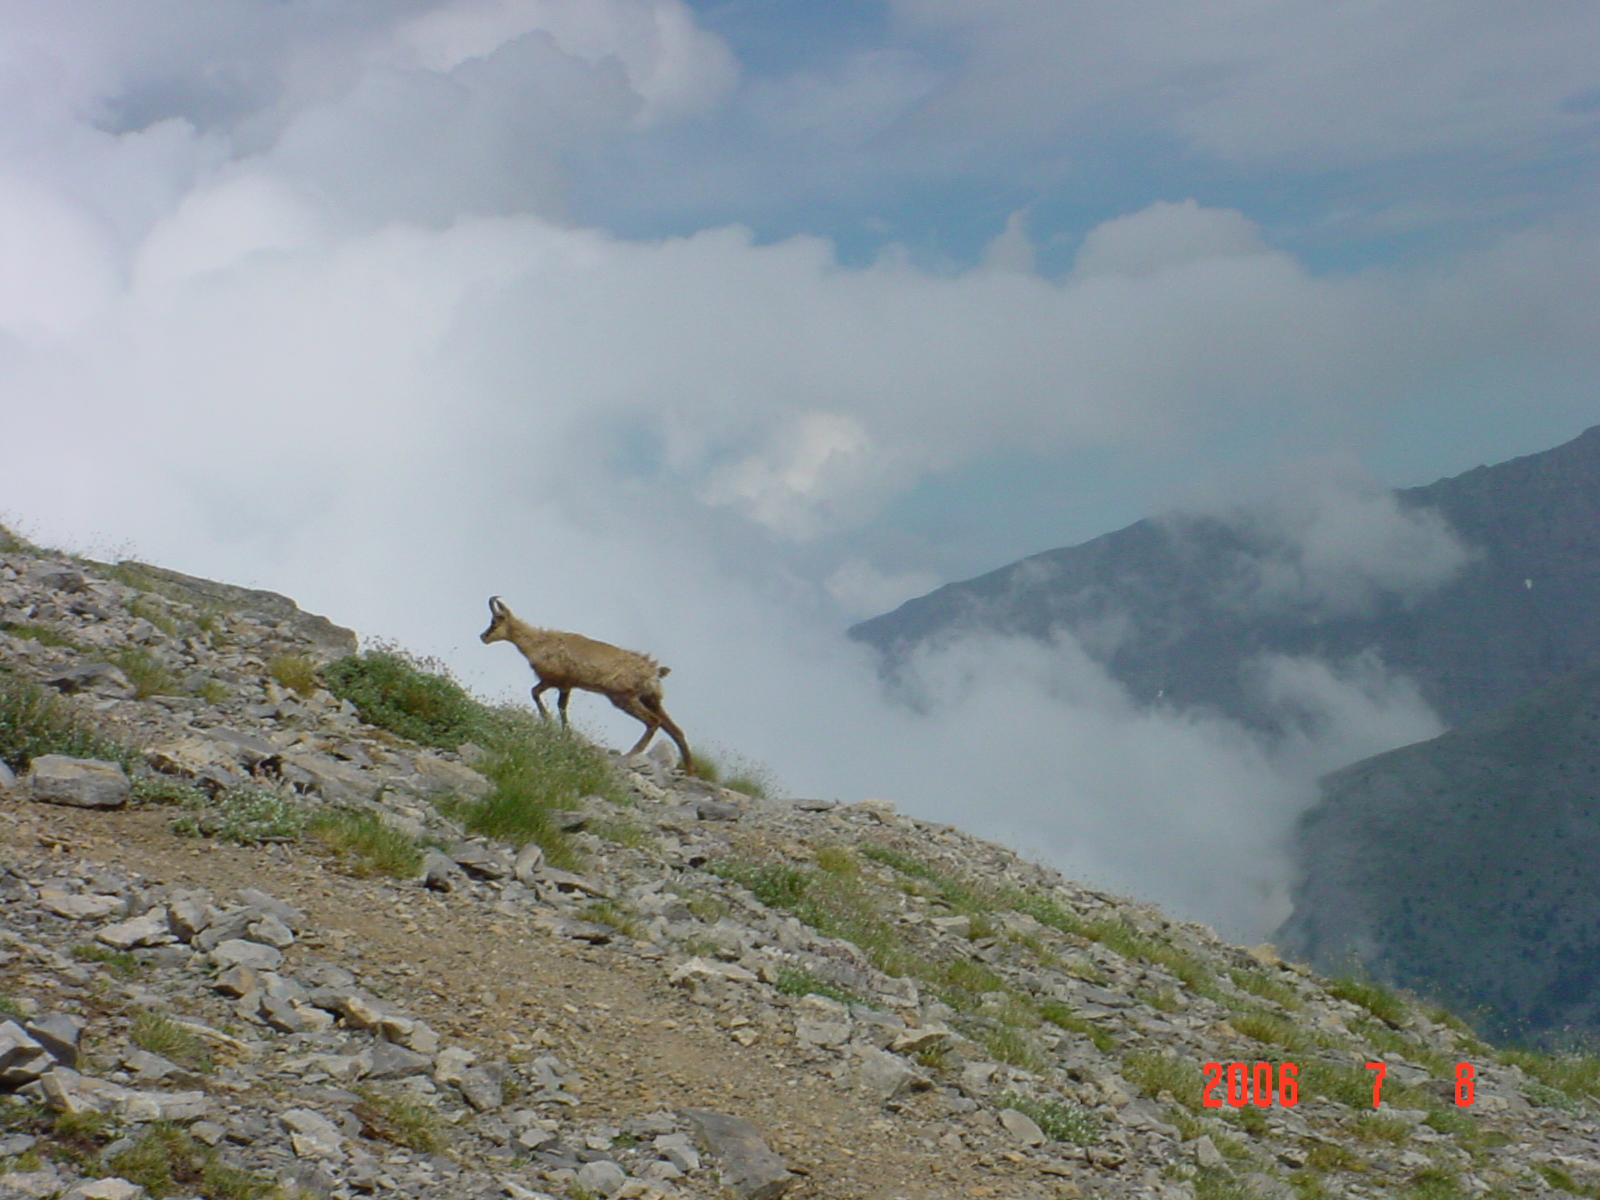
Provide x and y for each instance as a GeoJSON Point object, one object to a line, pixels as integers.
{"type": "Point", "coordinates": [712, 328]}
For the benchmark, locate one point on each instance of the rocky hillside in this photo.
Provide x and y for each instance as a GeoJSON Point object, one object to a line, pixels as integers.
{"type": "Point", "coordinates": [1178, 608]}
{"type": "Point", "coordinates": [1466, 866]}
{"type": "Point", "coordinates": [254, 941]}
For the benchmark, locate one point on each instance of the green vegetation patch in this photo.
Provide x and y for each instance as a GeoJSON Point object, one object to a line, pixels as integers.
{"type": "Point", "coordinates": [1153, 1073]}
{"type": "Point", "coordinates": [1260, 983]}
{"type": "Point", "coordinates": [536, 766]}
{"type": "Point", "coordinates": [1058, 1120]}
{"type": "Point", "coordinates": [409, 696]}
{"type": "Point", "coordinates": [297, 672]}
{"type": "Point", "coordinates": [1377, 1000]}
{"type": "Point", "coordinates": [35, 721]}
{"type": "Point", "coordinates": [1272, 1029]}
{"type": "Point", "coordinates": [1574, 1077]}
{"type": "Point", "coordinates": [168, 1161]}
{"type": "Point", "coordinates": [45, 635]}
{"type": "Point", "coordinates": [246, 817]}
{"type": "Point", "coordinates": [1433, 1183]}
{"type": "Point", "coordinates": [160, 1034]}
{"type": "Point", "coordinates": [403, 1122]}
{"type": "Point", "coordinates": [365, 843]}
{"type": "Point", "coordinates": [797, 981]}
{"type": "Point", "coordinates": [740, 774]}
{"type": "Point", "coordinates": [1377, 1127]}
{"type": "Point", "coordinates": [609, 912]}
{"type": "Point", "coordinates": [1062, 1016]}
{"type": "Point", "coordinates": [147, 673]}
{"type": "Point", "coordinates": [1219, 1183]}
{"type": "Point", "coordinates": [120, 961]}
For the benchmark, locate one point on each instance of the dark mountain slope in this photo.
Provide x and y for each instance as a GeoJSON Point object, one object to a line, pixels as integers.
{"type": "Point", "coordinates": [1468, 866]}
{"type": "Point", "coordinates": [1176, 607]}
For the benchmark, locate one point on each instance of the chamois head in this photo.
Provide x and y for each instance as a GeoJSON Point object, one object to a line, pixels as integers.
{"type": "Point", "coordinates": [499, 625]}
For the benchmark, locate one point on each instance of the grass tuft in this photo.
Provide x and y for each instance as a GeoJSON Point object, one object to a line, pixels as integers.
{"type": "Point", "coordinates": [365, 844]}
{"type": "Point", "coordinates": [297, 672]}
{"type": "Point", "coordinates": [1573, 1079]}
{"type": "Point", "coordinates": [1062, 1016]}
{"type": "Point", "coordinates": [741, 774]}
{"type": "Point", "coordinates": [147, 673]}
{"type": "Point", "coordinates": [402, 1122]}
{"type": "Point", "coordinates": [119, 961]}
{"type": "Point", "coordinates": [1154, 1073]}
{"type": "Point", "coordinates": [161, 1035]}
{"type": "Point", "coordinates": [1377, 1000]}
{"type": "Point", "coordinates": [168, 1161]}
{"type": "Point", "coordinates": [797, 981]}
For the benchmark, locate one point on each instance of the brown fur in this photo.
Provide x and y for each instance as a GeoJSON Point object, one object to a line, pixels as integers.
{"type": "Point", "coordinates": [565, 661]}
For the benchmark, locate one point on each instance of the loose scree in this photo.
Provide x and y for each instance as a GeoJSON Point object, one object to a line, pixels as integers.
{"type": "Point", "coordinates": [630, 680]}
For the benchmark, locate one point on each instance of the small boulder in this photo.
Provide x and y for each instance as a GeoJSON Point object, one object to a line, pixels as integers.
{"type": "Point", "coordinates": [751, 1168]}
{"type": "Point", "coordinates": [22, 1059]}
{"type": "Point", "coordinates": [78, 782]}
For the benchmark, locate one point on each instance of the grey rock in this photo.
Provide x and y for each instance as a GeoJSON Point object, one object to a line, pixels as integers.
{"type": "Point", "coordinates": [147, 930]}
{"type": "Point", "coordinates": [717, 810]}
{"type": "Point", "coordinates": [312, 1134]}
{"type": "Point", "coordinates": [390, 1061]}
{"type": "Point", "coordinates": [482, 861]}
{"type": "Point", "coordinates": [441, 873]}
{"type": "Point", "coordinates": [603, 1177]}
{"type": "Point", "coordinates": [263, 904]}
{"type": "Point", "coordinates": [1022, 1127]}
{"type": "Point", "coordinates": [22, 1059]}
{"type": "Point", "coordinates": [237, 952]}
{"type": "Point", "coordinates": [78, 782]}
{"type": "Point", "coordinates": [886, 1076]}
{"type": "Point", "coordinates": [8, 778]}
{"type": "Point", "coordinates": [749, 1165]}
{"type": "Point", "coordinates": [80, 906]}
{"type": "Point", "coordinates": [525, 867]}
{"type": "Point", "coordinates": [101, 677]}
{"type": "Point", "coordinates": [112, 1187]}
{"type": "Point", "coordinates": [270, 931]}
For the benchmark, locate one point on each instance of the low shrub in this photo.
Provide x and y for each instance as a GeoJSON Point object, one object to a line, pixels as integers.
{"type": "Point", "coordinates": [35, 721]}
{"type": "Point", "coordinates": [409, 696]}
{"type": "Point", "coordinates": [1058, 1120]}
{"type": "Point", "coordinates": [245, 817]}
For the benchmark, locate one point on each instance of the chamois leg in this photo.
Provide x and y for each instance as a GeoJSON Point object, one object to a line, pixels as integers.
{"type": "Point", "coordinates": [653, 704]}
{"type": "Point", "coordinates": [561, 703]}
{"type": "Point", "coordinates": [538, 701]}
{"type": "Point", "coordinates": [632, 706]}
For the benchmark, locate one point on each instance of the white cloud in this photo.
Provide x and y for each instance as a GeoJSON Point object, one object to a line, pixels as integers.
{"type": "Point", "coordinates": [56, 269]}
{"type": "Point", "coordinates": [1329, 537]}
{"type": "Point", "coordinates": [1322, 86]}
{"type": "Point", "coordinates": [1164, 236]}
{"type": "Point", "coordinates": [675, 67]}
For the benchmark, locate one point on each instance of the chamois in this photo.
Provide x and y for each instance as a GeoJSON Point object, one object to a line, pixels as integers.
{"type": "Point", "coordinates": [564, 661]}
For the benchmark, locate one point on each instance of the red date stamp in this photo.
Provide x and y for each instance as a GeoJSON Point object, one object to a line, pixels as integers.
{"type": "Point", "coordinates": [1265, 1084]}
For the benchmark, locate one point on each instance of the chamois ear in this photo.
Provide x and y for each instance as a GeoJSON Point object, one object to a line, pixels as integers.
{"type": "Point", "coordinates": [496, 606]}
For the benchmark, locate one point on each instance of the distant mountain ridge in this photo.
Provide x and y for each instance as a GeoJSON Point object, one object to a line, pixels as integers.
{"type": "Point", "coordinates": [1158, 602]}
{"type": "Point", "coordinates": [1468, 867]}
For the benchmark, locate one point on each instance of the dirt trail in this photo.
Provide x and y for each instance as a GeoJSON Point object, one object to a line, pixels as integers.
{"type": "Point", "coordinates": [496, 981]}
